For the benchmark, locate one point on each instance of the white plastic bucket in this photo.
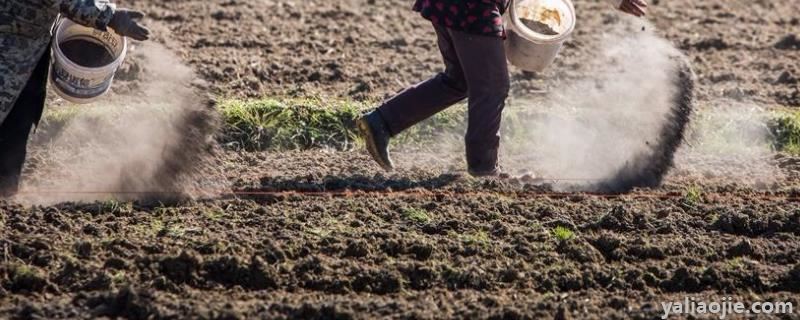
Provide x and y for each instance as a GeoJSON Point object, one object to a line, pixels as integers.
{"type": "Point", "coordinates": [79, 83]}
{"type": "Point", "coordinates": [533, 51]}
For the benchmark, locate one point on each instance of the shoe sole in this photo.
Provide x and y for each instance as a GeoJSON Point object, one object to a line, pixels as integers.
{"type": "Point", "coordinates": [483, 174]}
{"type": "Point", "coordinates": [371, 147]}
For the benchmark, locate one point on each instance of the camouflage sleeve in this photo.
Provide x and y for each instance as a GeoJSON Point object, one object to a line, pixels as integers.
{"type": "Point", "coordinates": [91, 13]}
{"type": "Point", "coordinates": [18, 58]}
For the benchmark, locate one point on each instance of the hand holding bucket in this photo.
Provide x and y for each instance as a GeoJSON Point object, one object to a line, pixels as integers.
{"type": "Point", "coordinates": [85, 59]}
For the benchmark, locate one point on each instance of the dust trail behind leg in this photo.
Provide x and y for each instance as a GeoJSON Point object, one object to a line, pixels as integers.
{"type": "Point", "coordinates": [650, 165]}
{"type": "Point", "coordinates": [154, 143]}
{"type": "Point", "coordinates": [619, 127]}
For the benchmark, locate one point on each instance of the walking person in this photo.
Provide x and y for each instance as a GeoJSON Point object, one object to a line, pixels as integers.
{"type": "Point", "coordinates": [470, 35]}
{"type": "Point", "coordinates": [25, 36]}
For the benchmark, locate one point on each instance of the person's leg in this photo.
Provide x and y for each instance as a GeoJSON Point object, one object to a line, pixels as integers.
{"type": "Point", "coordinates": [483, 61]}
{"type": "Point", "coordinates": [16, 128]}
{"type": "Point", "coordinates": [414, 104]}
{"type": "Point", "coordinates": [429, 97]}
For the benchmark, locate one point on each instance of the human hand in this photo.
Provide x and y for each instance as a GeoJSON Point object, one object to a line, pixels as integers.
{"type": "Point", "coordinates": [125, 23]}
{"type": "Point", "coordinates": [635, 7]}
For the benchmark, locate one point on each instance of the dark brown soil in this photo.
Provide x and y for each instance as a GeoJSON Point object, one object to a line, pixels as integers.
{"type": "Point", "coordinates": [86, 53]}
{"type": "Point", "coordinates": [539, 27]}
{"type": "Point", "coordinates": [484, 250]}
{"type": "Point", "coordinates": [326, 235]}
{"type": "Point", "coordinates": [367, 49]}
{"type": "Point", "coordinates": [361, 257]}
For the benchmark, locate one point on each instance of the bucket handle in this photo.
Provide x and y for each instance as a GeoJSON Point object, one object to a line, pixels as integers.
{"type": "Point", "coordinates": [54, 27]}
{"type": "Point", "coordinates": [528, 33]}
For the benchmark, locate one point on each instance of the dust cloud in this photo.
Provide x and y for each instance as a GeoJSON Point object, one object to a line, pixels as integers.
{"type": "Point", "coordinates": [626, 122]}
{"type": "Point", "coordinates": [154, 144]}
{"type": "Point", "coordinates": [617, 128]}
{"type": "Point", "coordinates": [730, 140]}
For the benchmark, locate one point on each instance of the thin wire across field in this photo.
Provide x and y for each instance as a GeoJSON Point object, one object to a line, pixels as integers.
{"type": "Point", "coordinates": [233, 193]}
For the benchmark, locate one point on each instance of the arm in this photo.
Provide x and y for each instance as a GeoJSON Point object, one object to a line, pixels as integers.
{"type": "Point", "coordinates": [91, 13]}
{"type": "Point", "coordinates": [100, 14]}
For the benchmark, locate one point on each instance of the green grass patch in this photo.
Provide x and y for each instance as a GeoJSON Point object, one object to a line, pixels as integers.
{"type": "Point", "coordinates": [478, 238]}
{"type": "Point", "coordinates": [275, 123]}
{"type": "Point", "coordinates": [214, 214]}
{"type": "Point", "coordinates": [290, 124]}
{"type": "Point", "coordinates": [114, 207]}
{"type": "Point", "coordinates": [730, 129]}
{"type": "Point", "coordinates": [172, 230]}
{"type": "Point", "coordinates": [160, 228]}
{"type": "Point", "coordinates": [563, 233]}
{"type": "Point", "coordinates": [693, 195]}
{"type": "Point", "coordinates": [785, 129]}
{"type": "Point", "coordinates": [119, 278]}
{"type": "Point", "coordinates": [156, 225]}
{"type": "Point", "coordinates": [279, 123]}
{"type": "Point", "coordinates": [63, 114]}
{"type": "Point", "coordinates": [285, 124]}
{"type": "Point", "coordinates": [24, 276]}
{"type": "Point", "coordinates": [734, 264]}
{"type": "Point", "coordinates": [20, 271]}
{"type": "Point", "coordinates": [416, 215]}
{"type": "Point", "coordinates": [319, 232]}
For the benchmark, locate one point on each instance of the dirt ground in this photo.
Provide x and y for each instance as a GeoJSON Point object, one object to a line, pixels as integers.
{"type": "Point", "coordinates": [371, 49]}
{"type": "Point", "coordinates": [325, 235]}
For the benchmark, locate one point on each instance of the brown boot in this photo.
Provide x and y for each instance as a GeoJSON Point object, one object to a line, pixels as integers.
{"type": "Point", "coordinates": [376, 136]}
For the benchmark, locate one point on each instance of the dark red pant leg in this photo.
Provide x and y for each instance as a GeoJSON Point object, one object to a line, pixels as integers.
{"type": "Point", "coordinates": [483, 61]}
{"type": "Point", "coordinates": [429, 97]}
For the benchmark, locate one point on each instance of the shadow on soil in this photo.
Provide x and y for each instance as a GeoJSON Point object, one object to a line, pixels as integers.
{"type": "Point", "coordinates": [356, 183]}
